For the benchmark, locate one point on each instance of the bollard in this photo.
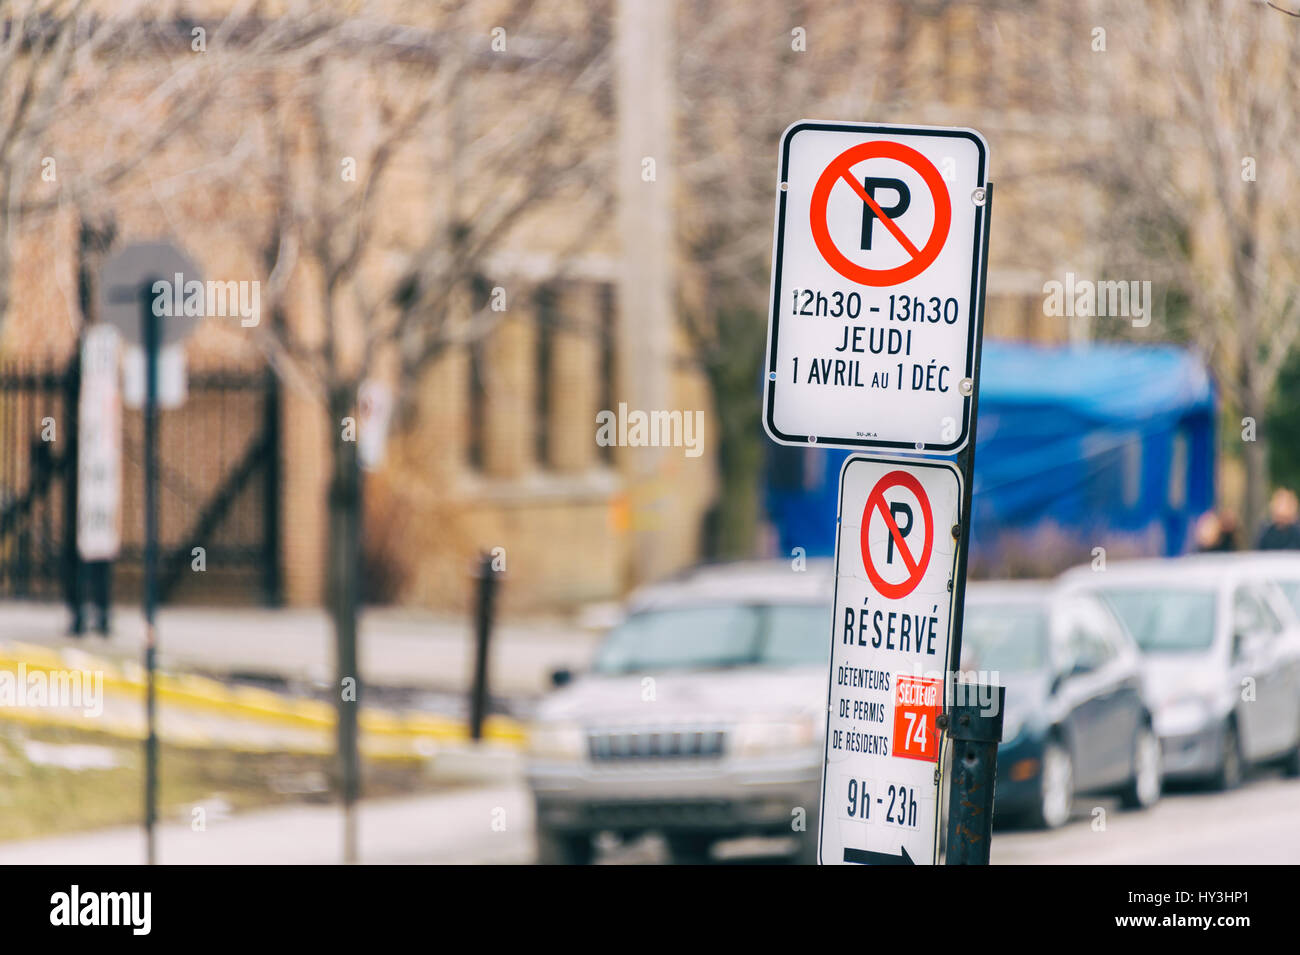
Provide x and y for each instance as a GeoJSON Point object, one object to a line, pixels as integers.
{"type": "Point", "coordinates": [975, 735]}
{"type": "Point", "coordinates": [478, 698]}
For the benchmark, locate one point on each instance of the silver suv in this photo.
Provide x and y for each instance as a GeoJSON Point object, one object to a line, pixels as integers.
{"type": "Point", "coordinates": [701, 718]}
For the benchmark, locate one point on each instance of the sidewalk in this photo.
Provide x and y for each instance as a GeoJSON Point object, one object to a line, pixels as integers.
{"type": "Point", "coordinates": [452, 827]}
{"type": "Point", "coordinates": [399, 648]}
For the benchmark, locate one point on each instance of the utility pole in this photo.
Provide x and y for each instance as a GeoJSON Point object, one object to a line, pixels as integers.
{"type": "Point", "coordinates": [644, 176]}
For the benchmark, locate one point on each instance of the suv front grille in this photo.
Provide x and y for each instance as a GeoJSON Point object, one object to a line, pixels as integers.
{"type": "Point", "coordinates": [666, 743]}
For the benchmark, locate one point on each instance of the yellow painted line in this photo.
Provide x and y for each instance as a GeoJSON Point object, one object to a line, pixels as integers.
{"type": "Point", "coordinates": [39, 716]}
{"type": "Point", "coordinates": [124, 730]}
{"type": "Point", "coordinates": [255, 703]}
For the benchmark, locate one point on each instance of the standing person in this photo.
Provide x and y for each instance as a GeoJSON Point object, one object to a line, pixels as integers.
{"type": "Point", "coordinates": [1283, 530]}
{"type": "Point", "coordinates": [95, 581]}
{"type": "Point", "coordinates": [1216, 531]}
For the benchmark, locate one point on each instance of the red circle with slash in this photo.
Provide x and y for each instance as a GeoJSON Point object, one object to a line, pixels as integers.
{"type": "Point", "coordinates": [915, 566]}
{"type": "Point", "coordinates": [840, 170]}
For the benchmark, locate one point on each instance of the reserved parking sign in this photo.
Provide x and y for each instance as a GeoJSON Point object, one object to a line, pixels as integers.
{"type": "Point", "coordinates": [895, 566]}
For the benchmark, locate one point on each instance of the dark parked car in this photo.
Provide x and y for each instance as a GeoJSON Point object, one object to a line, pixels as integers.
{"type": "Point", "coordinates": [1076, 717]}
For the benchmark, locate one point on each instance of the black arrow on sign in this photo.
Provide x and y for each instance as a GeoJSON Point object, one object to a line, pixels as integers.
{"type": "Point", "coordinates": [865, 857]}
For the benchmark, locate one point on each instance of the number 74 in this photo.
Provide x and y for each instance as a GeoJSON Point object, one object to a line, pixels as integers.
{"type": "Point", "coordinates": [915, 730]}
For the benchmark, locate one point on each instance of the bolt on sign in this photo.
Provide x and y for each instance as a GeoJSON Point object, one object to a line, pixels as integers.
{"type": "Point", "coordinates": [875, 273]}
{"type": "Point", "coordinates": [895, 568]}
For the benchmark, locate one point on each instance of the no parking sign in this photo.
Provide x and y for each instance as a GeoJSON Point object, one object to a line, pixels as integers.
{"type": "Point", "coordinates": [878, 272]}
{"type": "Point", "coordinates": [876, 268]}
{"type": "Point", "coordinates": [895, 568]}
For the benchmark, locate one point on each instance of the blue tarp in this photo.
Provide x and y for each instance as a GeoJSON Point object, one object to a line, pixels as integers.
{"type": "Point", "coordinates": [1093, 444]}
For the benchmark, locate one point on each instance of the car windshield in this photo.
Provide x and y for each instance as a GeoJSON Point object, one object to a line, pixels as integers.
{"type": "Point", "coordinates": [1292, 590]}
{"type": "Point", "coordinates": [1166, 619]}
{"type": "Point", "coordinates": [719, 635]}
{"type": "Point", "coordinates": [1007, 637]}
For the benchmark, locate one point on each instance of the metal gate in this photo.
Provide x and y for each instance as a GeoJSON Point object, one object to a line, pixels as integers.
{"type": "Point", "coordinates": [218, 481]}
{"type": "Point", "coordinates": [38, 433]}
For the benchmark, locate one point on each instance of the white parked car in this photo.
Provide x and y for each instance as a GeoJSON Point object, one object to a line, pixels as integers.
{"type": "Point", "coordinates": [1221, 650]}
{"type": "Point", "coordinates": [1282, 567]}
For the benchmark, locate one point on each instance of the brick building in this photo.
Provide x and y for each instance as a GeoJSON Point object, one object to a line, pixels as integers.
{"type": "Point", "coordinates": [498, 447]}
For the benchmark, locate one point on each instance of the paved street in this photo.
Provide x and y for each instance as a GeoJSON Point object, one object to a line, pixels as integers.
{"type": "Point", "coordinates": [1254, 825]}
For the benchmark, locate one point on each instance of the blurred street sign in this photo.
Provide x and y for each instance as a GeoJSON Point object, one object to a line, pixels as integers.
{"type": "Point", "coordinates": [99, 447]}
{"type": "Point", "coordinates": [876, 267]}
{"type": "Point", "coordinates": [163, 275]}
{"type": "Point", "coordinates": [374, 409]}
{"type": "Point", "coordinates": [895, 566]}
{"type": "Point", "coordinates": [172, 378]}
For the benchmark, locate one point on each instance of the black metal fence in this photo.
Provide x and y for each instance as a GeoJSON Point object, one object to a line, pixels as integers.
{"type": "Point", "coordinates": [38, 402]}
{"type": "Point", "coordinates": [218, 479]}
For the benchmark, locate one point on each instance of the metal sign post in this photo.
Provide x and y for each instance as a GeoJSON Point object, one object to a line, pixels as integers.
{"type": "Point", "coordinates": [880, 261]}
{"type": "Point", "coordinates": [152, 335]}
{"type": "Point", "coordinates": [129, 300]}
{"type": "Point", "coordinates": [974, 730]}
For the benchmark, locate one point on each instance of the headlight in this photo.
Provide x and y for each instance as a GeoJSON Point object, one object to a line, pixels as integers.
{"type": "Point", "coordinates": [1182, 715]}
{"type": "Point", "coordinates": [557, 741]}
{"type": "Point", "coordinates": [759, 736]}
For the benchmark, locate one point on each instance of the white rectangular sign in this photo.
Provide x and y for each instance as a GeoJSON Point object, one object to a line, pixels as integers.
{"type": "Point", "coordinates": [172, 379]}
{"type": "Point", "coordinates": [374, 410]}
{"type": "Point", "coordinates": [99, 447]}
{"type": "Point", "coordinates": [876, 264]}
{"type": "Point", "coordinates": [895, 567]}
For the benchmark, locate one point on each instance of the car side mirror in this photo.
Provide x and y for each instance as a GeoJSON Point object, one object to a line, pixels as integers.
{"type": "Point", "coordinates": [561, 677]}
{"type": "Point", "coordinates": [1247, 645]}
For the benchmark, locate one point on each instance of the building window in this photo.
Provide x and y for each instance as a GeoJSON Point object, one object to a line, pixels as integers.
{"type": "Point", "coordinates": [1178, 471]}
{"type": "Point", "coordinates": [546, 301]}
{"type": "Point", "coordinates": [989, 59]}
{"type": "Point", "coordinates": [943, 71]}
{"type": "Point", "coordinates": [607, 333]}
{"type": "Point", "coordinates": [476, 406]}
{"type": "Point", "coordinates": [476, 378]}
{"type": "Point", "coordinates": [1132, 471]}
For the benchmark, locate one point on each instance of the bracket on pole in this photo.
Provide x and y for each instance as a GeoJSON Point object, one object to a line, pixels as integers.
{"type": "Point", "coordinates": [975, 730]}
